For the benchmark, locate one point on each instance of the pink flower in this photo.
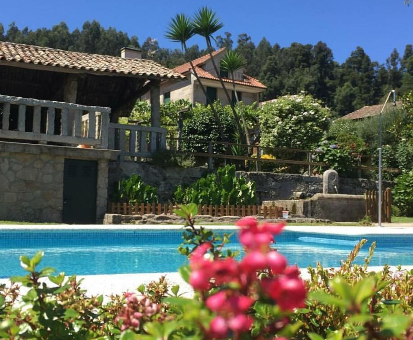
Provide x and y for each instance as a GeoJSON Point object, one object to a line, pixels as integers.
{"type": "Point", "coordinates": [199, 280]}
{"type": "Point", "coordinates": [225, 271]}
{"type": "Point", "coordinates": [248, 222]}
{"type": "Point", "coordinates": [219, 327]}
{"type": "Point", "coordinates": [276, 262]}
{"type": "Point", "coordinates": [287, 290]}
{"type": "Point", "coordinates": [273, 228]}
{"type": "Point", "coordinates": [240, 323]}
{"type": "Point", "coordinates": [254, 261]}
{"type": "Point", "coordinates": [228, 302]}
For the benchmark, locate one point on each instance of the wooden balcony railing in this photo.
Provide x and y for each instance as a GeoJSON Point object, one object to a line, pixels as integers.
{"type": "Point", "coordinates": [135, 141]}
{"type": "Point", "coordinates": [27, 119]}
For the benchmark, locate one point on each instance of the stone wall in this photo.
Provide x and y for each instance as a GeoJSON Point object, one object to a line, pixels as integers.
{"type": "Point", "coordinates": [339, 208]}
{"type": "Point", "coordinates": [270, 186]}
{"type": "Point", "coordinates": [164, 179]}
{"type": "Point", "coordinates": [31, 180]}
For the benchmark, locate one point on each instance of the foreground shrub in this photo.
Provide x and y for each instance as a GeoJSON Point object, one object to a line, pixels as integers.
{"type": "Point", "coordinates": [257, 297]}
{"type": "Point", "coordinates": [222, 188]}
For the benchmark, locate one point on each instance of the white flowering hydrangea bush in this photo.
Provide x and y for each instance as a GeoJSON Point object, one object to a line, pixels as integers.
{"type": "Point", "coordinates": [293, 121]}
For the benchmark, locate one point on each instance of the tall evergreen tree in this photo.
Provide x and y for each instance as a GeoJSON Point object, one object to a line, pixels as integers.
{"type": "Point", "coordinates": [245, 47]}
{"type": "Point", "coordinates": [260, 56]}
{"type": "Point", "coordinates": [393, 68]}
{"type": "Point", "coordinates": [226, 41]}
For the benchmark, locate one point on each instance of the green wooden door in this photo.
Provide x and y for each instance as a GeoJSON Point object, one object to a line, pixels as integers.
{"type": "Point", "coordinates": [79, 191]}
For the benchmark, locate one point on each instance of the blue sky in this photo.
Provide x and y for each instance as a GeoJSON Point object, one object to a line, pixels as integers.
{"type": "Point", "coordinates": [376, 25]}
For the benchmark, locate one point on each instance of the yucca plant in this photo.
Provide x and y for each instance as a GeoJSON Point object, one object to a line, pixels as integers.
{"type": "Point", "coordinates": [181, 30]}
{"type": "Point", "coordinates": [206, 24]}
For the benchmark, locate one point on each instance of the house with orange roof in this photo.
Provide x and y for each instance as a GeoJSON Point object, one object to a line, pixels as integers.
{"type": "Point", "coordinates": [370, 111]}
{"type": "Point", "coordinates": [248, 88]}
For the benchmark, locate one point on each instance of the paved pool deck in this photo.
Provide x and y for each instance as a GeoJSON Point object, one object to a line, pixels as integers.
{"type": "Point", "coordinates": [120, 283]}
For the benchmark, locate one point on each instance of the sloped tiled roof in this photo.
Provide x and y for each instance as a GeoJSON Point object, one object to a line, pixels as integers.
{"type": "Point", "coordinates": [45, 56]}
{"type": "Point", "coordinates": [197, 62]}
{"type": "Point", "coordinates": [247, 80]}
{"type": "Point", "coordinates": [370, 111]}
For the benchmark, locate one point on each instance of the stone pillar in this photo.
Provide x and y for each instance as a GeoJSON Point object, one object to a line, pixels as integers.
{"type": "Point", "coordinates": [102, 190]}
{"type": "Point", "coordinates": [155, 104]}
{"type": "Point", "coordinates": [70, 89]}
{"type": "Point", "coordinates": [330, 182]}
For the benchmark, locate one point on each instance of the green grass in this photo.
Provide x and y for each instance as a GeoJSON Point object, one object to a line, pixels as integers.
{"type": "Point", "coordinates": [401, 219]}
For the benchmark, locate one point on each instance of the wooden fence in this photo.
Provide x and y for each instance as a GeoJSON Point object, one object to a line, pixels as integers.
{"type": "Point", "coordinates": [372, 205]}
{"type": "Point", "coordinates": [212, 210]}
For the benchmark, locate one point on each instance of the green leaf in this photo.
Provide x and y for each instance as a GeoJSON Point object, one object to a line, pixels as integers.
{"type": "Point", "coordinates": [25, 262]}
{"type": "Point", "coordinates": [175, 289]}
{"type": "Point", "coordinates": [341, 287]}
{"type": "Point", "coordinates": [20, 279]}
{"type": "Point", "coordinates": [128, 335]}
{"type": "Point", "coordinates": [360, 318]}
{"type": "Point", "coordinates": [36, 259]}
{"type": "Point", "coordinates": [57, 280]}
{"type": "Point", "coordinates": [314, 336]}
{"type": "Point", "coordinates": [192, 209]}
{"type": "Point", "coordinates": [328, 299]}
{"type": "Point", "coordinates": [185, 272]}
{"type": "Point", "coordinates": [71, 313]}
{"type": "Point", "coordinates": [364, 289]}
{"type": "Point", "coordinates": [397, 323]}
{"type": "Point", "coordinates": [46, 271]}
{"type": "Point", "coordinates": [2, 300]}
{"type": "Point", "coordinates": [180, 212]}
{"type": "Point", "coordinates": [178, 301]}
{"type": "Point", "coordinates": [391, 302]}
{"type": "Point", "coordinates": [31, 295]}
{"type": "Point", "coordinates": [141, 289]}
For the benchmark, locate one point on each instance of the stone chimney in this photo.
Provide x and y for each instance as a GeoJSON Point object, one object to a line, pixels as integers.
{"type": "Point", "coordinates": [131, 53]}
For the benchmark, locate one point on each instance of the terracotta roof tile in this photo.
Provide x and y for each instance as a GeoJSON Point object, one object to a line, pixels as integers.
{"type": "Point", "coordinates": [248, 81]}
{"type": "Point", "coordinates": [201, 60]}
{"type": "Point", "coordinates": [30, 54]}
{"type": "Point", "coordinates": [369, 111]}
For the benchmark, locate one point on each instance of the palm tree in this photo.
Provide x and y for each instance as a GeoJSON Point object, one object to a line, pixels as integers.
{"type": "Point", "coordinates": [232, 62]}
{"type": "Point", "coordinates": [181, 30]}
{"type": "Point", "coordinates": [206, 24]}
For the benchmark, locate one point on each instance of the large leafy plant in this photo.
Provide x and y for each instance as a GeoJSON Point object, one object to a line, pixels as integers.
{"type": "Point", "coordinates": [222, 188]}
{"type": "Point", "coordinates": [134, 190]}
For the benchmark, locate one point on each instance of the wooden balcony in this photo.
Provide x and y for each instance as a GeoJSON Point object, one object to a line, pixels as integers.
{"type": "Point", "coordinates": [136, 142]}
{"type": "Point", "coordinates": [42, 121]}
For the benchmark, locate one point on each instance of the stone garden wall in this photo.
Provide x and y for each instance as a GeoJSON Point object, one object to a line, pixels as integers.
{"type": "Point", "coordinates": [164, 179]}
{"type": "Point", "coordinates": [270, 186]}
{"type": "Point", "coordinates": [31, 180]}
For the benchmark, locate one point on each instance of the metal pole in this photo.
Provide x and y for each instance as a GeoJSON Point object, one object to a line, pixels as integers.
{"type": "Point", "coordinates": [380, 160]}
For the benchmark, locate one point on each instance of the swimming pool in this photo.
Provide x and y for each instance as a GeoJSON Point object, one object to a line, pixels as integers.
{"type": "Point", "coordinates": [90, 252]}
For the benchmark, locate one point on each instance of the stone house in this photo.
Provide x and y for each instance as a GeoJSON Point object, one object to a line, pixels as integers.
{"type": "Point", "coordinates": [53, 101]}
{"type": "Point", "coordinates": [248, 88]}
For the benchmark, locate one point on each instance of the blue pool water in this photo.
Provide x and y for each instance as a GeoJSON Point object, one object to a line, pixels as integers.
{"type": "Point", "coordinates": [89, 252]}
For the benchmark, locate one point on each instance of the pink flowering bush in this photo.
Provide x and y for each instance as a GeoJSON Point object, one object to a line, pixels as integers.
{"type": "Point", "coordinates": [230, 289]}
